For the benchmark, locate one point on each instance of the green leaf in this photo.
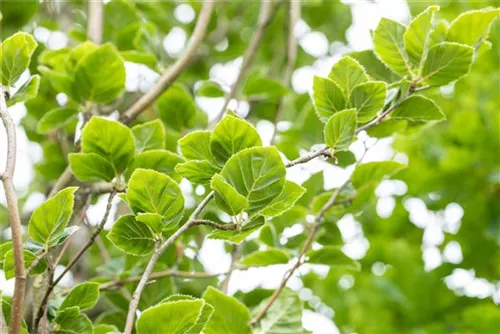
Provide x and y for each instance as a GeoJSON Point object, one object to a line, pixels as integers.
{"type": "Point", "coordinates": [56, 119]}
{"type": "Point", "coordinates": [100, 75]}
{"type": "Point", "coordinates": [472, 27]}
{"type": "Point", "coordinates": [374, 172]}
{"type": "Point", "coordinates": [176, 317]}
{"type": "Point", "coordinates": [447, 62]}
{"type": "Point", "coordinates": [153, 192]}
{"type": "Point", "coordinates": [328, 98]}
{"type": "Point", "coordinates": [417, 37]}
{"type": "Point", "coordinates": [332, 256]}
{"type": "Point", "coordinates": [418, 108]}
{"type": "Point", "coordinates": [256, 173]}
{"type": "Point", "coordinates": [15, 57]}
{"type": "Point", "coordinates": [50, 219]}
{"type": "Point", "coordinates": [83, 295]}
{"type": "Point", "coordinates": [26, 92]}
{"type": "Point", "coordinates": [348, 73]}
{"type": "Point", "coordinates": [91, 167]}
{"type": "Point", "coordinates": [196, 146]}
{"type": "Point", "coordinates": [29, 257]}
{"type": "Point", "coordinates": [210, 89]}
{"type": "Point", "coordinates": [284, 316]}
{"type": "Point", "coordinates": [71, 321]}
{"type": "Point", "coordinates": [368, 98]}
{"type": "Point", "coordinates": [266, 257]}
{"type": "Point", "coordinates": [159, 160]}
{"type": "Point", "coordinates": [373, 66]}
{"type": "Point", "coordinates": [132, 236]}
{"type": "Point", "coordinates": [197, 171]}
{"type": "Point", "coordinates": [109, 139]}
{"type": "Point", "coordinates": [205, 313]}
{"type": "Point", "coordinates": [146, 58]}
{"type": "Point", "coordinates": [290, 194]}
{"type": "Point", "coordinates": [226, 197]}
{"type": "Point", "coordinates": [153, 220]}
{"type": "Point", "coordinates": [60, 81]}
{"type": "Point", "coordinates": [260, 87]}
{"type": "Point", "coordinates": [149, 136]}
{"type": "Point", "coordinates": [237, 236]}
{"type": "Point", "coordinates": [230, 136]}
{"type": "Point", "coordinates": [388, 40]}
{"type": "Point", "coordinates": [177, 108]}
{"type": "Point", "coordinates": [340, 130]}
{"type": "Point", "coordinates": [230, 316]}
{"type": "Point", "coordinates": [105, 329]}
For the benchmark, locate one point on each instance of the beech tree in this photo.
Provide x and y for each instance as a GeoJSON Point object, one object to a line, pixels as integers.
{"type": "Point", "coordinates": [182, 159]}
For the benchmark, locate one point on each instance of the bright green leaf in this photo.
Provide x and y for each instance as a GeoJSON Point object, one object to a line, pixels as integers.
{"type": "Point", "coordinates": [290, 194]}
{"type": "Point", "coordinates": [328, 98]}
{"type": "Point", "coordinates": [348, 73]}
{"type": "Point", "coordinates": [83, 295]}
{"type": "Point", "coordinates": [226, 197]}
{"type": "Point", "coordinates": [259, 87]}
{"type": "Point", "coordinates": [50, 219]}
{"type": "Point", "coordinates": [56, 119]}
{"type": "Point", "coordinates": [388, 40]}
{"type": "Point", "coordinates": [472, 27]}
{"type": "Point", "coordinates": [418, 108]}
{"type": "Point", "coordinates": [340, 130]}
{"type": "Point", "coordinates": [29, 258]}
{"type": "Point", "coordinates": [368, 98]}
{"type": "Point", "coordinates": [284, 316]}
{"type": "Point", "coordinates": [374, 172]}
{"type": "Point", "coordinates": [159, 160]}
{"type": "Point", "coordinates": [26, 92]}
{"type": "Point", "coordinates": [266, 257]}
{"type": "Point", "coordinates": [105, 329]}
{"type": "Point", "coordinates": [149, 136]}
{"type": "Point", "coordinates": [91, 167]}
{"type": "Point", "coordinates": [210, 89]}
{"type": "Point", "coordinates": [447, 62]}
{"type": "Point", "coordinates": [196, 146]}
{"type": "Point", "coordinates": [71, 321]}
{"type": "Point", "coordinates": [15, 57]}
{"type": "Point", "coordinates": [177, 108]}
{"type": "Point", "coordinates": [230, 136]}
{"type": "Point", "coordinates": [132, 236]}
{"type": "Point", "coordinates": [230, 316]}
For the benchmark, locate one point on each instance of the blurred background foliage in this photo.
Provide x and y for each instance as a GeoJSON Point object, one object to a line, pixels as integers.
{"type": "Point", "coordinates": [457, 161]}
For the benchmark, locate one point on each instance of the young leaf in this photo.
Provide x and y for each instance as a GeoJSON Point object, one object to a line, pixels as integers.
{"type": "Point", "coordinates": [197, 171]}
{"type": "Point", "coordinates": [230, 316]}
{"type": "Point", "coordinates": [374, 172]}
{"type": "Point", "coordinates": [153, 220]}
{"type": "Point", "coordinates": [472, 27]}
{"type": "Point", "coordinates": [210, 89]}
{"type": "Point", "coordinates": [417, 37]}
{"type": "Point", "coordinates": [205, 313]}
{"type": "Point", "coordinates": [100, 75]}
{"type": "Point", "coordinates": [91, 167]}
{"type": "Point", "coordinates": [226, 197]}
{"type": "Point", "coordinates": [388, 40]}
{"type": "Point", "coordinates": [29, 258]}
{"type": "Point", "coordinates": [15, 57]}
{"type": "Point", "coordinates": [176, 317]}
{"type": "Point", "coordinates": [285, 201]}
{"type": "Point", "coordinates": [373, 66]}
{"type": "Point", "coordinates": [340, 130]}
{"type": "Point", "coordinates": [328, 98]}
{"type": "Point", "coordinates": [159, 160]}
{"type": "Point", "coordinates": [177, 108]}
{"type": "Point", "coordinates": [284, 316]}
{"type": "Point", "coordinates": [154, 192]}
{"type": "Point", "coordinates": [256, 173]}
{"type": "Point", "coordinates": [230, 136]}
{"type": "Point", "coordinates": [347, 73]}
{"type": "Point", "coordinates": [368, 98]}
{"type": "Point", "coordinates": [418, 108]}
{"type": "Point", "coordinates": [132, 236]}
{"type": "Point", "coordinates": [84, 296]}
{"type": "Point", "coordinates": [237, 236]}
{"type": "Point", "coordinates": [266, 257]}
{"type": "Point", "coordinates": [109, 139]}
{"type": "Point", "coordinates": [57, 118]}
{"type": "Point", "coordinates": [26, 92]}
{"type": "Point", "coordinates": [447, 62]}
{"type": "Point", "coordinates": [50, 219]}
{"type": "Point", "coordinates": [196, 146]}
{"type": "Point", "coordinates": [71, 321]}
{"type": "Point", "coordinates": [332, 256]}
{"type": "Point", "coordinates": [149, 136]}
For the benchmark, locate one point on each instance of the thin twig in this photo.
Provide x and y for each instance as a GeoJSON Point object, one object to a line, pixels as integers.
{"type": "Point", "coordinates": [293, 18]}
{"type": "Point", "coordinates": [40, 256]}
{"type": "Point", "coordinates": [265, 17]}
{"type": "Point", "coordinates": [168, 78]}
{"type": "Point", "coordinates": [326, 152]}
{"type": "Point", "coordinates": [75, 259]}
{"type": "Point", "coordinates": [14, 217]}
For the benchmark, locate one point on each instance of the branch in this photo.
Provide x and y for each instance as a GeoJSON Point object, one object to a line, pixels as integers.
{"type": "Point", "coordinates": [14, 217]}
{"type": "Point", "coordinates": [317, 223]}
{"type": "Point", "coordinates": [168, 78]}
{"type": "Point", "coordinates": [265, 17]}
{"type": "Point", "coordinates": [326, 152]}
{"type": "Point", "coordinates": [293, 18]}
{"type": "Point", "coordinates": [37, 260]}
{"type": "Point", "coordinates": [235, 256]}
{"type": "Point", "coordinates": [75, 259]}
{"type": "Point", "coordinates": [94, 22]}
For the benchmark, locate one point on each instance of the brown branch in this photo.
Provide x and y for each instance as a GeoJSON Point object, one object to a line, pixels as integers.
{"type": "Point", "coordinates": [94, 22]}
{"type": "Point", "coordinates": [168, 78]}
{"type": "Point", "coordinates": [14, 217]}
{"type": "Point", "coordinates": [326, 152]}
{"type": "Point", "coordinates": [75, 259]}
{"type": "Point", "coordinates": [293, 18]}
{"type": "Point", "coordinates": [265, 17]}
